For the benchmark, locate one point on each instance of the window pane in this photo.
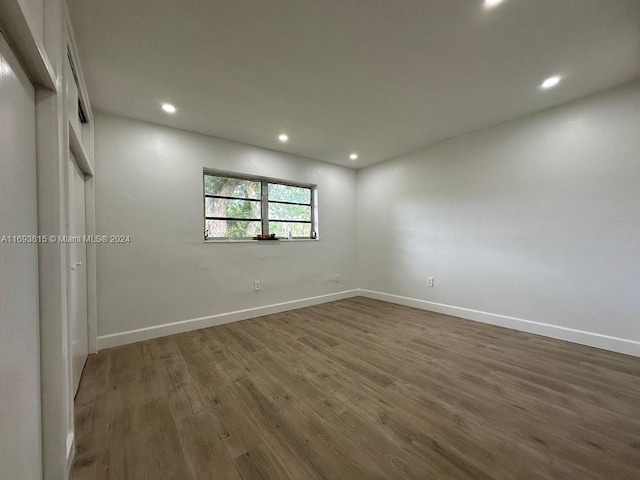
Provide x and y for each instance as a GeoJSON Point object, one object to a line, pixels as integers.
{"type": "Point", "coordinates": [223, 207]}
{"type": "Point", "coordinates": [281, 229]}
{"type": "Point", "coordinates": [285, 193]}
{"type": "Point", "coordinates": [232, 187]}
{"type": "Point", "coordinates": [233, 228]}
{"type": "Point", "coordinates": [281, 211]}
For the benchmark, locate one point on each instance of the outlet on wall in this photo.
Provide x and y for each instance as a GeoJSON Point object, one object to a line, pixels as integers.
{"type": "Point", "coordinates": [337, 278]}
{"type": "Point", "coordinates": [429, 281]}
{"type": "Point", "coordinates": [256, 285]}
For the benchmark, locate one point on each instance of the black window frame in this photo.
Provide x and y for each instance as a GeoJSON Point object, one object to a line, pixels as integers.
{"type": "Point", "coordinates": [264, 205]}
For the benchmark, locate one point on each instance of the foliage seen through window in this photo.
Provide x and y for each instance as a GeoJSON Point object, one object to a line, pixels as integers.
{"type": "Point", "coordinates": [236, 208]}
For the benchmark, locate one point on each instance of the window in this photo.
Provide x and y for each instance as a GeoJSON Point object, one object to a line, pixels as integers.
{"type": "Point", "coordinates": [245, 207]}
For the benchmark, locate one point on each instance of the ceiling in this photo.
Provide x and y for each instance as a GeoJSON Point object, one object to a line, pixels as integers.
{"type": "Point", "coordinates": [376, 77]}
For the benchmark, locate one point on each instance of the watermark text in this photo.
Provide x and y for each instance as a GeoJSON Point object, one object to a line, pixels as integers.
{"type": "Point", "coordinates": [65, 239]}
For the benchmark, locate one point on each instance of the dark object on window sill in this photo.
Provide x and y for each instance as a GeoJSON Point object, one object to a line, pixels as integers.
{"type": "Point", "coordinates": [265, 238]}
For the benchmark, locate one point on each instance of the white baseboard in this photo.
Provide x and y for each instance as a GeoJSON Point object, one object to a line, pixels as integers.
{"type": "Point", "coordinates": [614, 344]}
{"type": "Point", "coordinates": [141, 334]}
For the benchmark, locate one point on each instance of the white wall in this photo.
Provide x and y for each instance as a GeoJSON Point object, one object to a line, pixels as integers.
{"type": "Point", "coordinates": [149, 186]}
{"type": "Point", "coordinates": [537, 219]}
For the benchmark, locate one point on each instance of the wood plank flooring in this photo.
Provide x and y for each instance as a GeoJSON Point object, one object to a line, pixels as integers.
{"type": "Point", "coordinates": [358, 389]}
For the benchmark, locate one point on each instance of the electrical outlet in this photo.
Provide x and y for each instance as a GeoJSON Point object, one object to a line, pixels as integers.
{"type": "Point", "coordinates": [429, 281]}
{"type": "Point", "coordinates": [256, 285]}
{"type": "Point", "coordinates": [337, 278]}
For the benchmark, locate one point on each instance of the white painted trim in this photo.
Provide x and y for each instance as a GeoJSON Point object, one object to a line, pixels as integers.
{"type": "Point", "coordinates": [81, 144]}
{"type": "Point", "coordinates": [92, 277]}
{"type": "Point", "coordinates": [71, 452]}
{"type": "Point", "coordinates": [141, 334]}
{"type": "Point", "coordinates": [606, 342]}
{"type": "Point", "coordinates": [83, 94]}
{"type": "Point", "coordinates": [70, 440]}
{"type": "Point", "coordinates": [597, 340]}
{"type": "Point", "coordinates": [279, 241]}
{"type": "Point", "coordinates": [18, 28]}
{"type": "Point", "coordinates": [79, 151]}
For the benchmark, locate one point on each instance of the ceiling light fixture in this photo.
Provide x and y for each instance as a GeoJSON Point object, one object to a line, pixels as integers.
{"type": "Point", "coordinates": [550, 82]}
{"type": "Point", "coordinates": [167, 107]}
{"type": "Point", "coordinates": [283, 138]}
{"type": "Point", "coordinates": [353, 156]}
{"type": "Point", "coordinates": [492, 3]}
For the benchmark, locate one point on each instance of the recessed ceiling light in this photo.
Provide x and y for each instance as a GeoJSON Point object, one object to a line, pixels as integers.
{"type": "Point", "coordinates": [283, 138]}
{"type": "Point", "coordinates": [167, 107]}
{"type": "Point", "coordinates": [353, 156]}
{"type": "Point", "coordinates": [492, 3]}
{"type": "Point", "coordinates": [551, 82]}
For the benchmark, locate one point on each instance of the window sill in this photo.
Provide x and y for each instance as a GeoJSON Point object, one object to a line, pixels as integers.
{"type": "Point", "coordinates": [280, 240]}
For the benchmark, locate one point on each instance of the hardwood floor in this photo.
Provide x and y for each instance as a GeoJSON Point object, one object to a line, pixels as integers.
{"type": "Point", "coordinates": [358, 389]}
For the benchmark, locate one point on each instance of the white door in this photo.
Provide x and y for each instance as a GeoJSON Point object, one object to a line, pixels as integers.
{"type": "Point", "coordinates": [20, 442]}
{"type": "Point", "coordinates": [77, 256]}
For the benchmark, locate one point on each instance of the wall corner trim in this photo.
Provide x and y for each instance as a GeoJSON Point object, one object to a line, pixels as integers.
{"type": "Point", "coordinates": [597, 340]}
{"type": "Point", "coordinates": [156, 331]}
{"type": "Point", "coordinates": [71, 452]}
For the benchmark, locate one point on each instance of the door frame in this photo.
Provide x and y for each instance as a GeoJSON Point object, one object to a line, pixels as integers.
{"type": "Point", "coordinates": [22, 373]}
{"type": "Point", "coordinates": [41, 54]}
{"type": "Point", "coordinates": [72, 164]}
{"type": "Point", "coordinates": [78, 139]}
{"type": "Point", "coordinates": [80, 143]}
